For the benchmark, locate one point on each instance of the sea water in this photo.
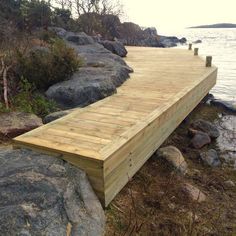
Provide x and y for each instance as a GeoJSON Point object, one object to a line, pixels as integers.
{"type": "Point", "coordinates": [221, 45]}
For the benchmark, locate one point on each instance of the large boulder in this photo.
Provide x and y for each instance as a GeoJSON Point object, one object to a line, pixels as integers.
{"type": "Point", "coordinates": [43, 195]}
{"type": "Point", "coordinates": [174, 158]}
{"type": "Point", "coordinates": [15, 123]}
{"type": "Point", "coordinates": [79, 38]}
{"type": "Point", "coordinates": [101, 74]}
{"type": "Point", "coordinates": [115, 47]}
{"type": "Point", "coordinates": [168, 41]}
{"type": "Point", "coordinates": [207, 127]}
{"type": "Point", "coordinates": [87, 86]}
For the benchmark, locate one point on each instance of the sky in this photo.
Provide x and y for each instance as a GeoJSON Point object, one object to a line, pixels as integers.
{"type": "Point", "coordinates": [173, 16]}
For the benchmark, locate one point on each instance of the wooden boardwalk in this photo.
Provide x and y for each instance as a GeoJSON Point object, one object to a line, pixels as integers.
{"type": "Point", "coordinates": [111, 139]}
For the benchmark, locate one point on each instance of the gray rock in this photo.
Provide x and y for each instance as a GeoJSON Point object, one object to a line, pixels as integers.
{"type": "Point", "coordinates": [99, 77]}
{"type": "Point", "coordinates": [56, 115]}
{"type": "Point", "coordinates": [206, 127]}
{"type": "Point", "coordinates": [207, 99]}
{"type": "Point", "coordinates": [59, 31]}
{"type": "Point", "coordinates": [183, 40]}
{"type": "Point", "coordinates": [43, 195]}
{"type": "Point", "coordinates": [174, 158]}
{"type": "Point", "coordinates": [197, 41]}
{"type": "Point", "coordinates": [15, 123]}
{"type": "Point", "coordinates": [210, 158]}
{"type": "Point", "coordinates": [87, 86]}
{"type": "Point", "coordinates": [193, 193]}
{"type": "Point", "coordinates": [151, 31]}
{"type": "Point", "coordinates": [229, 184]}
{"type": "Point", "coordinates": [230, 106]}
{"type": "Point", "coordinates": [115, 47]}
{"type": "Point", "coordinates": [200, 139]}
{"type": "Point", "coordinates": [168, 42]}
{"type": "Point", "coordinates": [79, 38]}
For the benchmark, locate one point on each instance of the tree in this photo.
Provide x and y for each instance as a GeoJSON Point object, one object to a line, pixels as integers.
{"type": "Point", "coordinates": [36, 13]}
{"type": "Point", "coordinates": [61, 17]}
{"type": "Point", "coordinates": [102, 7]}
{"type": "Point", "coordinates": [63, 4]}
{"type": "Point", "coordinates": [10, 12]}
{"type": "Point", "coordinates": [111, 7]}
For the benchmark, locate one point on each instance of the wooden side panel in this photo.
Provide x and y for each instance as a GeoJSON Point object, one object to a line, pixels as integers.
{"type": "Point", "coordinates": [126, 161]}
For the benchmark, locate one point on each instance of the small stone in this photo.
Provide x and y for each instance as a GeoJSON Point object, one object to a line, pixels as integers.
{"type": "Point", "coordinates": [192, 216]}
{"type": "Point", "coordinates": [193, 193]}
{"type": "Point", "coordinates": [200, 139]}
{"type": "Point", "coordinates": [210, 158]}
{"type": "Point", "coordinates": [56, 115]}
{"type": "Point", "coordinates": [229, 184]}
{"type": "Point", "coordinates": [172, 206]}
{"type": "Point", "coordinates": [174, 158]}
{"type": "Point", "coordinates": [207, 127]}
{"type": "Point", "coordinates": [161, 193]}
{"type": "Point", "coordinates": [197, 41]}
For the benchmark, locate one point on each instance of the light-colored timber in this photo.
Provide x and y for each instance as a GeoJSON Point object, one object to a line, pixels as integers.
{"type": "Point", "coordinates": [112, 139]}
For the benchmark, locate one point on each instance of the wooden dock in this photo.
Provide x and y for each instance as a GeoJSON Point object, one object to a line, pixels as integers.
{"type": "Point", "coordinates": [112, 139]}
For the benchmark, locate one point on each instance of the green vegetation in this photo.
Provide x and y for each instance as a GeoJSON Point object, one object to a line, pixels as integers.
{"type": "Point", "coordinates": [55, 63]}
{"type": "Point", "coordinates": [27, 100]}
{"type": "Point", "coordinates": [29, 50]}
{"type": "Point", "coordinates": [29, 64]}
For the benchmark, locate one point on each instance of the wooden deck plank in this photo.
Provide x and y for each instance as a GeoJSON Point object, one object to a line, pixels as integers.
{"type": "Point", "coordinates": [111, 139]}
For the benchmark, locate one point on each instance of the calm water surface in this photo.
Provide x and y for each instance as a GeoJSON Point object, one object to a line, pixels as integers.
{"type": "Point", "coordinates": [221, 44]}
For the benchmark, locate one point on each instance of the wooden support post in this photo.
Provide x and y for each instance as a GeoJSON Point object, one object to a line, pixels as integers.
{"type": "Point", "coordinates": [208, 61]}
{"type": "Point", "coordinates": [190, 46]}
{"type": "Point", "coordinates": [195, 51]}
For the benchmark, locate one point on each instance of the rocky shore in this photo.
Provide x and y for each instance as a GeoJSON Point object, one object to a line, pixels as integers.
{"type": "Point", "coordinates": [181, 189]}
{"type": "Point", "coordinates": [102, 71]}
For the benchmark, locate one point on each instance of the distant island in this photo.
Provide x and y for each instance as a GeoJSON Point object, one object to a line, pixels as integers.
{"type": "Point", "coordinates": [221, 25]}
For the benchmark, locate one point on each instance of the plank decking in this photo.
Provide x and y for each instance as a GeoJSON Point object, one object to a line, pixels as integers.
{"type": "Point", "coordinates": [111, 139]}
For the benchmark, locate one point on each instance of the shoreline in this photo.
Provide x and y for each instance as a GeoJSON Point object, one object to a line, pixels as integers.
{"type": "Point", "coordinates": [150, 192]}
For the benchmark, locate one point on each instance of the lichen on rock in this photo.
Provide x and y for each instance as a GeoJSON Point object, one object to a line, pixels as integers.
{"type": "Point", "coordinates": [42, 195]}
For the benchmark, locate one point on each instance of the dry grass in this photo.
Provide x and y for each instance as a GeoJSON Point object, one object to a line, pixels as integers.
{"type": "Point", "coordinates": [152, 203]}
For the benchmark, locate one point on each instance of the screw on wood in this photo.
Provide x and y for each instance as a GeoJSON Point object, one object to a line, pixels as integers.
{"type": "Point", "coordinates": [195, 51]}
{"type": "Point", "coordinates": [190, 46]}
{"type": "Point", "coordinates": [208, 61]}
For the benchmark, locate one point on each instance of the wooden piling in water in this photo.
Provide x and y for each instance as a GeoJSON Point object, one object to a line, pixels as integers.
{"type": "Point", "coordinates": [208, 61]}
{"type": "Point", "coordinates": [195, 51]}
{"type": "Point", "coordinates": [190, 46]}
